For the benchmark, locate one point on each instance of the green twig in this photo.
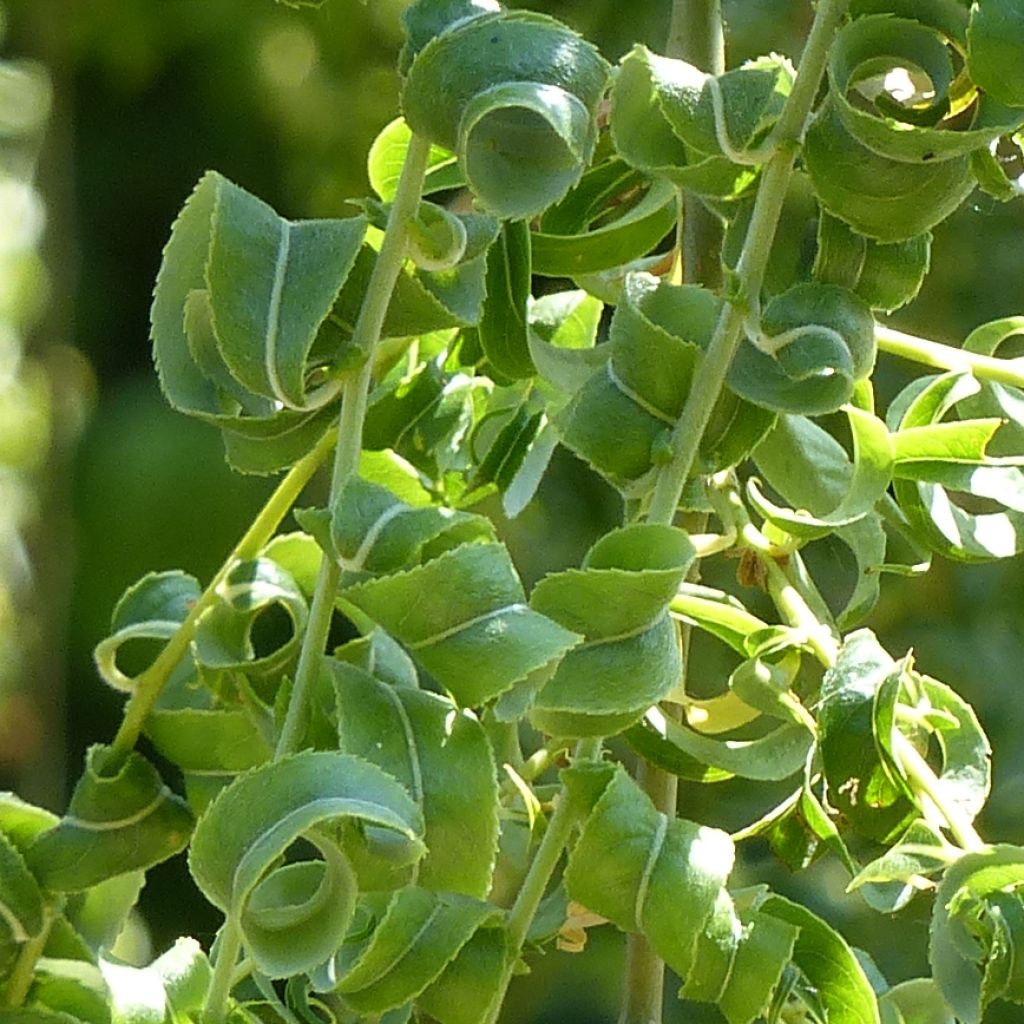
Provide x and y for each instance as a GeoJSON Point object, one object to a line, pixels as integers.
{"type": "Point", "coordinates": [19, 981]}
{"type": "Point", "coordinates": [151, 682]}
{"type": "Point", "coordinates": [523, 911]}
{"type": "Point", "coordinates": [710, 376]}
{"type": "Point", "coordinates": [350, 427]}
{"type": "Point", "coordinates": [230, 944]}
{"type": "Point", "coordinates": [945, 357]}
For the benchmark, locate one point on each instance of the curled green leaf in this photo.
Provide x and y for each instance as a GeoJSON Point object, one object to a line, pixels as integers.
{"type": "Point", "coordinates": [239, 301]}
{"type": "Point", "coordinates": [815, 342]}
{"type": "Point", "coordinates": [885, 199]}
{"type": "Point", "coordinates": [520, 112]}
{"type": "Point", "coordinates": [995, 37]}
{"type": "Point", "coordinates": [21, 902]}
{"type": "Point", "coordinates": [877, 56]}
{"type": "Point", "coordinates": [295, 916]}
{"type": "Point", "coordinates": [977, 929]}
{"type": "Point", "coordinates": [629, 658]}
{"type": "Point", "coordinates": [118, 820]}
{"type": "Point", "coordinates": [442, 757]}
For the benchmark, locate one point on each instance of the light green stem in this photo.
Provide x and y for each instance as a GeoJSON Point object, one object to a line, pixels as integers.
{"type": "Point", "coordinates": [923, 780]}
{"type": "Point", "coordinates": [223, 972]}
{"type": "Point", "coordinates": [350, 427]}
{"type": "Point", "coordinates": [710, 376]}
{"type": "Point", "coordinates": [150, 684]}
{"type": "Point", "coordinates": [945, 357]}
{"type": "Point", "coordinates": [19, 981]}
{"type": "Point", "coordinates": [537, 878]}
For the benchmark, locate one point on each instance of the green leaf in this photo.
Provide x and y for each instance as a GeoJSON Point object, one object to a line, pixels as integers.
{"type": "Point", "coordinates": [294, 917]}
{"type": "Point", "coordinates": [613, 243]}
{"type": "Point", "coordinates": [994, 41]}
{"type": "Point", "coordinates": [477, 637]}
{"type": "Point", "coordinates": [620, 419]}
{"type": "Point", "coordinates": [99, 913]}
{"type": "Point", "coordinates": [121, 818]}
{"type": "Point", "coordinates": [239, 300]}
{"type": "Point", "coordinates": [892, 274]}
{"type": "Point", "coordinates": [74, 987]}
{"type": "Point", "coordinates": [868, 481]}
{"type": "Point", "coordinates": [777, 755]}
{"type": "Point", "coordinates": [21, 902]}
{"type": "Point", "coordinates": [503, 329]}
{"type": "Point", "coordinates": [646, 872]}
{"type": "Point", "coordinates": [629, 658]}
{"type": "Point", "coordinates": [964, 779]}
{"type": "Point", "coordinates": [859, 785]}
{"type": "Point", "coordinates": [816, 341]}
{"type": "Point", "coordinates": [419, 935]}
{"type": "Point", "coordinates": [829, 965]}
{"type": "Point", "coordinates": [919, 1001]}
{"type": "Point", "coordinates": [386, 158]}
{"type": "Point", "coordinates": [885, 199]}
{"type": "Point", "coordinates": [151, 609]}
{"type": "Point", "coordinates": [519, 110]}
{"type": "Point", "coordinates": [442, 757]}
{"type": "Point", "coordinates": [933, 515]}
{"type": "Point", "coordinates": [915, 130]}
{"type": "Point", "coordinates": [652, 99]}
{"type": "Point", "coordinates": [467, 988]}
{"type": "Point", "coordinates": [223, 638]}
{"type": "Point", "coordinates": [976, 929]}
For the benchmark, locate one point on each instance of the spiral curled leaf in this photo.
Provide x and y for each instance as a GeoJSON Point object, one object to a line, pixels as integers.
{"type": "Point", "coordinates": [295, 916]}
{"type": "Point", "coordinates": [240, 299]}
{"type": "Point", "coordinates": [816, 341]}
{"type": "Point", "coordinates": [665, 123]}
{"type": "Point", "coordinates": [150, 610]}
{"type": "Point", "coordinates": [420, 933]}
{"type": "Point", "coordinates": [619, 420]}
{"type": "Point", "coordinates": [629, 658]}
{"type": "Point", "coordinates": [223, 638]}
{"type": "Point", "coordinates": [906, 125]}
{"type": "Point", "coordinates": [885, 199]}
{"type": "Point", "coordinates": [519, 112]}
{"type": "Point", "coordinates": [442, 757]}
{"type": "Point", "coordinates": [935, 459]}
{"type": "Point", "coordinates": [117, 821]}
{"type": "Point", "coordinates": [478, 637]}
{"type": "Point", "coordinates": [977, 929]}
{"type": "Point", "coordinates": [995, 39]}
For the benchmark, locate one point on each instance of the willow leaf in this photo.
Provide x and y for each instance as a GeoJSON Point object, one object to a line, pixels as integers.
{"type": "Point", "coordinates": [442, 757]}
{"type": "Point", "coordinates": [976, 931]}
{"type": "Point", "coordinates": [523, 79]}
{"type": "Point", "coordinates": [885, 199]}
{"type": "Point", "coordinates": [420, 933]}
{"type": "Point", "coordinates": [503, 322]}
{"type": "Point", "coordinates": [646, 872]}
{"type": "Point", "coordinates": [832, 971]}
{"type": "Point", "coordinates": [74, 987]}
{"type": "Point", "coordinates": [294, 917]}
{"type": "Point", "coordinates": [21, 902]}
{"type": "Point", "coordinates": [469, 985]}
{"type": "Point", "coordinates": [387, 155]}
{"type": "Point", "coordinates": [629, 658]}
{"type": "Point", "coordinates": [994, 39]}
{"type": "Point", "coordinates": [121, 818]}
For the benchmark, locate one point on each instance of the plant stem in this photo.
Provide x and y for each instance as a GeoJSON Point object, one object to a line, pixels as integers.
{"type": "Point", "coordinates": [19, 981]}
{"type": "Point", "coordinates": [945, 357]}
{"type": "Point", "coordinates": [223, 972]}
{"type": "Point", "coordinates": [556, 836]}
{"type": "Point", "coordinates": [923, 780]}
{"type": "Point", "coordinates": [710, 376]}
{"type": "Point", "coordinates": [365, 336]}
{"type": "Point", "coordinates": [151, 682]}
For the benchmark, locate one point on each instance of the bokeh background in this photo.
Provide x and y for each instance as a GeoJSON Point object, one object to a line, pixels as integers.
{"type": "Point", "coordinates": [110, 110]}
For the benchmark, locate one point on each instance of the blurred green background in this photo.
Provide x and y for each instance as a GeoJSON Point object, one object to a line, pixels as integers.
{"type": "Point", "coordinates": [128, 102]}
